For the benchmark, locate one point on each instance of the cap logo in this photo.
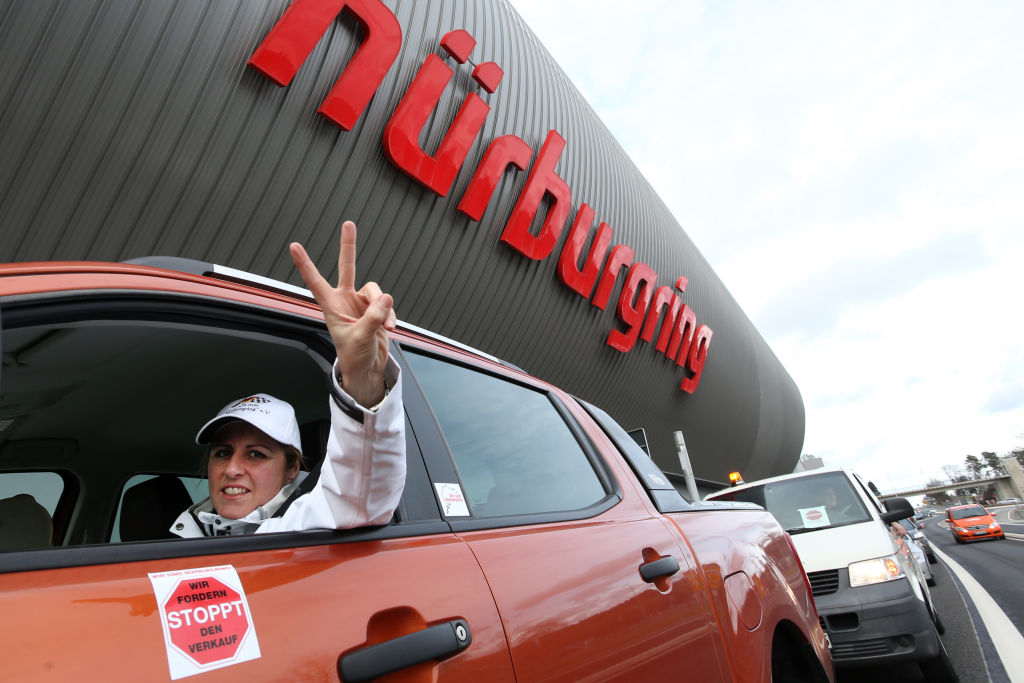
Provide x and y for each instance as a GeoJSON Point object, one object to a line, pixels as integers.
{"type": "Point", "coordinates": [251, 399]}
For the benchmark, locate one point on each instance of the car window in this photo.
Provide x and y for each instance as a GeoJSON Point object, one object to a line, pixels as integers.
{"type": "Point", "coordinates": [195, 487]}
{"type": "Point", "coordinates": [28, 502]}
{"type": "Point", "coordinates": [121, 397]}
{"type": "Point", "coordinates": [973, 511]}
{"type": "Point", "coordinates": [44, 487]}
{"type": "Point", "coordinates": [870, 494]}
{"type": "Point", "coordinates": [513, 449]}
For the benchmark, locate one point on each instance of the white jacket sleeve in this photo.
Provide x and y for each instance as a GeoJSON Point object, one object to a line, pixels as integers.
{"type": "Point", "coordinates": [363, 473]}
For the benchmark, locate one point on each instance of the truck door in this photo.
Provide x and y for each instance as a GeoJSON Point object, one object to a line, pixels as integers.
{"type": "Point", "coordinates": [587, 581]}
{"type": "Point", "coordinates": [107, 386]}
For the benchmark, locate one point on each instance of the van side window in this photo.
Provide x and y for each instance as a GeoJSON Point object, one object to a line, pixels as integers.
{"type": "Point", "coordinates": [512, 448]}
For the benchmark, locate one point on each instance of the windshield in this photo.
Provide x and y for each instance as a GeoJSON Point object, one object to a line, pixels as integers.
{"type": "Point", "coordinates": [973, 511]}
{"type": "Point", "coordinates": [806, 503]}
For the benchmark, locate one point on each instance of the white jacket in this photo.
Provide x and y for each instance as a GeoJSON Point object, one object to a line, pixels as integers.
{"type": "Point", "coordinates": [361, 478]}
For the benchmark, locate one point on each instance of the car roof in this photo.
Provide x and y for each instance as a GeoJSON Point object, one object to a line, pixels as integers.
{"type": "Point", "coordinates": [227, 277]}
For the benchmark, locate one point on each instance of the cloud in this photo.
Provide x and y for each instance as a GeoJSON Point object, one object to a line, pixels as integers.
{"type": "Point", "coordinates": [815, 305]}
{"type": "Point", "coordinates": [1007, 393]}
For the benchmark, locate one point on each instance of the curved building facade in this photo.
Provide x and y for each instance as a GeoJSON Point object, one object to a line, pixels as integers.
{"type": "Point", "coordinates": [491, 200]}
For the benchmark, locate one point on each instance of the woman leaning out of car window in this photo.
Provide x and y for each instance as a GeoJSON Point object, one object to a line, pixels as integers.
{"type": "Point", "coordinates": [253, 461]}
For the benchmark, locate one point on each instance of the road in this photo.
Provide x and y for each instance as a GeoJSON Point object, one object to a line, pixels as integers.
{"type": "Point", "coordinates": [976, 584]}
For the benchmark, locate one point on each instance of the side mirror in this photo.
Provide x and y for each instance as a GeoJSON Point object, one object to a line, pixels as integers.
{"type": "Point", "coordinates": [897, 509]}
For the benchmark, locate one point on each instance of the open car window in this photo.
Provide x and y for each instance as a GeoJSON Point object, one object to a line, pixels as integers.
{"type": "Point", "coordinates": [104, 401]}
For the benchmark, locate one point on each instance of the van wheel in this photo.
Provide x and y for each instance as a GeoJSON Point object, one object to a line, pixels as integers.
{"type": "Point", "coordinates": [939, 669]}
{"type": "Point", "coordinates": [930, 580]}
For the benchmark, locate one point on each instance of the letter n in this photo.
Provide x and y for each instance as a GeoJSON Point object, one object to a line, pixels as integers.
{"type": "Point", "coordinates": [297, 32]}
{"type": "Point", "coordinates": [542, 180]}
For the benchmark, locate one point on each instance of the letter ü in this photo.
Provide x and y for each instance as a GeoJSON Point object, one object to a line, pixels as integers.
{"type": "Point", "coordinates": [402, 133]}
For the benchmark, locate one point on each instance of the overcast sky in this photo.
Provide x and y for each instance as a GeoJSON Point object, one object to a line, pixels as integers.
{"type": "Point", "coordinates": [855, 175]}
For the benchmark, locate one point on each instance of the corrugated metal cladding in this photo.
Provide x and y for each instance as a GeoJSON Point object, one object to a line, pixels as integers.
{"type": "Point", "coordinates": [134, 127]}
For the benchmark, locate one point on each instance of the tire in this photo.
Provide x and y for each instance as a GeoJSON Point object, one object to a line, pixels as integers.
{"type": "Point", "coordinates": [931, 558]}
{"type": "Point", "coordinates": [939, 669]}
{"type": "Point", "coordinates": [930, 580]}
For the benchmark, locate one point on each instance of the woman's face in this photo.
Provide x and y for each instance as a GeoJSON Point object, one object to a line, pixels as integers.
{"type": "Point", "coordinates": [247, 468]}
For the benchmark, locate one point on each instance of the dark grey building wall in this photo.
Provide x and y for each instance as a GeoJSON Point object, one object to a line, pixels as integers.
{"type": "Point", "coordinates": [132, 127]}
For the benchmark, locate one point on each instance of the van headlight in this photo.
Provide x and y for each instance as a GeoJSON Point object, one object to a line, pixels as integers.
{"type": "Point", "coordinates": [875, 571]}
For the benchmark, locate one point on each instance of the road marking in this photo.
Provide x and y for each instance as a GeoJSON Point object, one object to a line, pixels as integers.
{"type": "Point", "coordinates": [1007, 640]}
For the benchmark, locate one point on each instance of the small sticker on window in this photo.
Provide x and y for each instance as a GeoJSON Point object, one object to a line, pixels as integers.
{"type": "Point", "coordinates": [206, 620]}
{"type": "Point", "coordinates": [814, 517]}
{"type": "Point", "coordinates": [453, 503]}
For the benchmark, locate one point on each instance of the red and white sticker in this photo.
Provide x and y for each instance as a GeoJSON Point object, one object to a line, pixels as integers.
{"type": "Point", "coordinates": [453, 503]}
{"type": "Point", "coordinates": [205, 618]}
{"type": "Point", "coordinates": [814, 517]}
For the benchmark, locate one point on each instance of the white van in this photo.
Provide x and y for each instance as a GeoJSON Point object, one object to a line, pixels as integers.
{"type": "Point", "coordinates": [869, 591]}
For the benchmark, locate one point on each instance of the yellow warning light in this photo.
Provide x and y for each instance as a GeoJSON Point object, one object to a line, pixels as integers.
{"type": "Point", "coordinates": [735, 478]}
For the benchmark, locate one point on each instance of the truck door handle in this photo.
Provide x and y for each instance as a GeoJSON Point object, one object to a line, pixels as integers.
{"type": "Point", "coordinates": [435, 642]}
{"type": "Point", "coordinates": [666, 566]}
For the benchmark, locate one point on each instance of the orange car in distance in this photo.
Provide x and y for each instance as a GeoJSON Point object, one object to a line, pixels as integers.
{"type": "Point", "coordinates": [972, 523]}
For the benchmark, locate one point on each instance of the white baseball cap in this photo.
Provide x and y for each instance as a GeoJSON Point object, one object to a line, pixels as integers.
{"type": "Point", "coordinates": [272, 416]}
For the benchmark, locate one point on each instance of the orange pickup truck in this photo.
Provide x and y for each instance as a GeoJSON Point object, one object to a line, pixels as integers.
{"type": "Point", "coordinates": [590, 566]}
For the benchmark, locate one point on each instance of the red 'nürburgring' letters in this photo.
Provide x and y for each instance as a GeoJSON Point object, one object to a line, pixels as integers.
{"type": "Point", "coordinates": [641, 303]}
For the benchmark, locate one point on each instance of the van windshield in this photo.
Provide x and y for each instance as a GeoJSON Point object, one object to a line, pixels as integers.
{"type": "Point", "coordinates": [973, 511]}
{"type": "Point", "coordinates": [806, 503]}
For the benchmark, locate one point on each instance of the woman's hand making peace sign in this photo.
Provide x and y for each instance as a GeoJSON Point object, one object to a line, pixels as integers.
{"type": "Point", "coordinates": [357, 320]}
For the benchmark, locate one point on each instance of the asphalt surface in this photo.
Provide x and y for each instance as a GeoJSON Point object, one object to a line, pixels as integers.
{"type": "Point", "coordinates": [998, 566]}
